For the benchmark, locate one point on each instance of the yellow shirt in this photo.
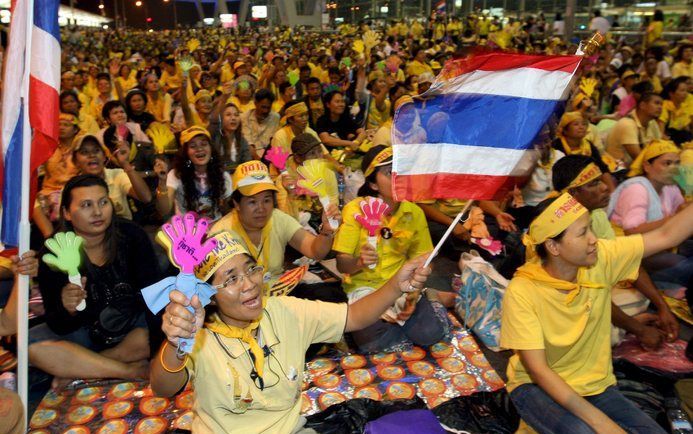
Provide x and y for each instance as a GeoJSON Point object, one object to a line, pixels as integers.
{"type": "Point", "coordinates": [161, 107]}
{"type": "Point", "coordinates": [227, 73]}
{"type": "Point", "coordinates": [87, 123]}
{"type": "Point", "coordinates": [629, 131]}
{"type": "Point", "coordinates": [284, 227]}
{"type": "Point", "coordinates": [242, 107]}
{"type": "Point", "coordinates": [119, 186]}
{"type": "Point", "coordinates": [410, 238]}
{"type": "Point", "coordinates": [677, 118]}
{"type": "Point", "coordinates": [449, 207]}
{"type": "Point", "coordinates": [285, 135]}
{"type": "Point", "coordinates": [573, 333]}
{"type": "Point", "coordinates": [417, 68]}
{"type": "Point", "coordinates": [682, 68]}
{"type": "Point", "coordinates": [376, 118]}
{"type": "Point", "coordinates": [288, 326]}
{"type": "Point", "coordinates": [601, 226]}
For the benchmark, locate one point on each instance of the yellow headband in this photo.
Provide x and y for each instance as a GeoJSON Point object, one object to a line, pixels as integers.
{"type": "Point", "coordinates": [384, 157]}
{"type": "Point", "coordinates": [588, 174]}
{"type": "Point", "coordinates": [563, 212]}
{"type": "Point", "coordinates": [69, 118]}
{"type": "Point", "coordinates": [567, 118]}
{"type": "Point", "coordinates": [202, 93]}
{"type": "Point", "coordinates": [227, 247]}
{"type": "Point", "coordinates": [295, 110]}
{"type": "Point", "coordinates": [654, 149]}
{"type": "Point", "coordinates": [190, 133]}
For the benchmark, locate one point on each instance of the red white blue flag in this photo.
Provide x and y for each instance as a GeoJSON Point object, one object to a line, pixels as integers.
{"type": "Point", "coordinates": [471, 135]}
{"type": "Point", "coordinates": [43, 81]}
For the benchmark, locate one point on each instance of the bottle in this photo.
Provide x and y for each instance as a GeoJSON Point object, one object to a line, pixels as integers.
{"type": "Point", "coordinates": [677, 418]}
{"type": "Point", "coordinates": [340, 188]}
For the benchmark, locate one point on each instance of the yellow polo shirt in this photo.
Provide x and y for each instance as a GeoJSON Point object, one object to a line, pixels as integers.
{"type": "Point", "coordinates": [677, 118]}
{"type": "Point", "coordinates": [573, 333]}
{"type": "Point", "coordinates": [449, 207]}
{"type": "Point", "coordinates": [284, 227]}
{"type": "Point", "coordinates": [288, 326]}
{"type": "Point", "coordinates": [410, 238]}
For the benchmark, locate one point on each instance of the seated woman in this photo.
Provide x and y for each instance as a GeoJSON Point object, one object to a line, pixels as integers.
{"type": "Point", "coordinates": [266, 231]}
{"type": "Point", "coordinates": [336, 128]}
{"type": "Point", "coordinates": [648, 200]}
{"type": "Point", "coordinates": [556, 318]}
{"type": "Point", "coordinates": [247, 362]}
{"type": "Point", "coordinates": [11, 409]}
{"type": "Point", "coordinates": [404, 236]}
{"type": "Point", "coordinates": [571, 140]}
{"type": "Point", "coordinates": [677, 111]}
{"type": "Point", "coordinates": [296, 119]}
{"type": "Point", "coordinates": [109, 338]}
{"type": "Point", "coordinates": [197, 181]}
{"type": "Point", "coordinates": [136, 108]}
{"type": "Point", "coordinates": [159, 103]}
{"type": "Point", "coordinates": [69, 103]}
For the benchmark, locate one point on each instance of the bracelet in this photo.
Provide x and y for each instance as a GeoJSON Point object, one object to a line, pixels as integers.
{"type": "Point", "coordinates": [159, 192]}
{"type": "Point", "coordinates": [166, 368]}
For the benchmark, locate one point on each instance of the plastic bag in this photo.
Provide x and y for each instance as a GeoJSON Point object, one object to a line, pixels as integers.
{"type": "Point", "coordinates": [353, 180]}
{"type": "Point", "coordinates": [480, 297]}
{"type": "Point", "coordinates": [351, 417]}
{"type": "Point", "coordinates": [483, 412]}
{"type": "Point", "coordinates": [406, 422]}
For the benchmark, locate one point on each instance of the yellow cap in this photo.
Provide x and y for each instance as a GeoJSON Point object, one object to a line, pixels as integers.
{"type": "Point", "coordinates": [383, 158]}
{"type": "Point", "coordinates": [251, 178]}
{"type": "Point", "coordinates": [567, 118]}
{"type": "Point", "coordinates": [188, 134]}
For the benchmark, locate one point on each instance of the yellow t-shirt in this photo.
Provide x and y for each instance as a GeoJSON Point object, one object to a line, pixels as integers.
{"type": "Point", "coordinates": [284, 227]}
{"type": "Point", "coordinates": [242, 107]}
{"type": "Point", "coordinates": [376, 118]}
{"type": "Point", "coordinates": [682, 68]}
{"type": "Point", "coordinates": [677, 118]}
{"type": "Point", "coordinates": [573, 333]}
{"type": "Point", "coordinates": [417, 68]}
{"type": "Point", "coordinates": [629, 131]}
{"type": "Point", "coordinates": [449, 207]}
{"type": "Point", "coordinates": [119, 186]}
{"type": "Point", "coordinates": [288, 326]}
{"type": "Point", "coordinates": [410, 238]}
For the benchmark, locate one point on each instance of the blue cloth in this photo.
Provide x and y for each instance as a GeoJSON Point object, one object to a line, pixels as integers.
{"type": "Point", "coordinates": [654, 203]}
{"type": "Point", "coordinates": [156, 297]}
{"type": "Point", "coordinates": [546, 416]}
{"type": "Point", "coordinates": [405, 422]}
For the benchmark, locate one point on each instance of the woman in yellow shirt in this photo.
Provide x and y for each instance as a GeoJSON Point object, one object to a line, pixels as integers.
{"type": "Point", "coordinates": [677, 111]}
{"type": "Point", "coordinates": [557, 320]}
{"type": "Point", "coordinates": [159, 103]}
{"type": "Point", "coordinates": [404, 235]}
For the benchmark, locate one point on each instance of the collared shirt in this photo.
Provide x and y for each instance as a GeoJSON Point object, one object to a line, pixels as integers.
{"type": "Point", "coordinates": [629, 131]}
{"type": "Point", "coordinates": [220, 369]}
{"type": "Point", "coordinates": [572, 329]}
{"type": "Point", "coordinates": [678, 118]}
{"type": "Point", "coordinates": [257, 133]}
{"type": "Point", "coordinates": [409, 238]}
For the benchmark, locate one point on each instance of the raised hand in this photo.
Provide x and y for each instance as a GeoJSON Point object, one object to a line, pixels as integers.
{"type": "Point", "coordinates": [66, 256]}
{"type": "Point", "coordinates": [185, 235]}
{"type": "Point", "coordinates": [180, 322]}
{"type": "Point", "coordinates": [186, 63]}
{"type": "Point", "coordinates": [277, 156]}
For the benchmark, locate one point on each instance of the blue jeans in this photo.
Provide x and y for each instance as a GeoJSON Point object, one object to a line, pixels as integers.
{"type": "Point", "coordinates": [422, 328]}
{"type": "Point", "coordinates": [546, 416]}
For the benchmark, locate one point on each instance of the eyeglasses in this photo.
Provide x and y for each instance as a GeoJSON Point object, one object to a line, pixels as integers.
{"type": "Point", "coordinates": [236, 281]}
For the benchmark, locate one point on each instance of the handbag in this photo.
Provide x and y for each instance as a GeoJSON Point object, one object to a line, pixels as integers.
{"type": "Point", "coordinates": [480, 297]}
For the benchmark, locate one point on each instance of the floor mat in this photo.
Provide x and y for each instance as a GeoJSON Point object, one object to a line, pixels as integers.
{"type": "Point", "coordinates": [437, 374]}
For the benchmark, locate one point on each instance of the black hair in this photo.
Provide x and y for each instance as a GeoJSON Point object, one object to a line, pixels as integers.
{"type": "Point", "coordinates": [366, 189]}
{"type": "Point", "coordinates": [673, 85]}
{"type": "Point", "coordinates": [327, 98]}
{"type": "Point", "coordinates": [283, 87]}
{"type": "Point", "coordinates": [647, 96]}
{"type": "Point", "coordinates": [643, 87]}
{"type": "Point", "coordinates": [70, 93]}
{"type": "Point", "coordinates": [263, 94]}
{"type": "Point", "coordinates": [596, 13]}
{"type": "Point", "coordinates": [313, 80]}
{"type": "Point", "coordinates": [566, 169]}
{"type": "Point", "coordinates": [80, 181]}
{"type": "Point", "coordinates": [540, 208]}
{"type": "Point", "coordinates": [658, 15]}
{"type": "Point", "coordinates": [129, 97]}
{"type": "Point", "coordinates": [305, 68]}
{"type": "Point", "coordinates": [103, 76]}
{"type": "Point", "coordinates": [110, 105]}
{"type": "Point", "coordinates": [185, 171]}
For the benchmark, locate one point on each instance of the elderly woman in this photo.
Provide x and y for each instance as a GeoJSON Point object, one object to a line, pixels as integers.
{"type": "Point", "coordinates": [247, 363]}
{"type": "Point", "coordinates": [557, 320]}
{"type": "Point", "coordinates": [266, 231]}
{"type": "Point", "coordinates": [647, 201]}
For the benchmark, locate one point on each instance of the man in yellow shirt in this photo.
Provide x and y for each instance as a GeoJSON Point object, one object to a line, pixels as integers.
{"type": "Point", "coordinates": [419, 65]}
{"type": "Point", "coordinates": [557, 319]}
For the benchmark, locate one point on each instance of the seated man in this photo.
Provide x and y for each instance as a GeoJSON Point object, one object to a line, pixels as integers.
{"type": "Point", "coordinates": [579, 176]}
{"type": "Point", "coordinates": [11, 411]}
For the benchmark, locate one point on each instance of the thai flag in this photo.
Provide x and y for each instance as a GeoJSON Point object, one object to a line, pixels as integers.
{"type": "Point", "coordinates": [43, 81]}
{"type": "Point", "coordinates": [441, 7]}
{"type": "Point", "coordinates": [471, 135]}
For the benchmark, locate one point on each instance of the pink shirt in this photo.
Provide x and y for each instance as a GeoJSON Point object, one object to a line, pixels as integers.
{"type": "Point", "coordinates": [632, 205]}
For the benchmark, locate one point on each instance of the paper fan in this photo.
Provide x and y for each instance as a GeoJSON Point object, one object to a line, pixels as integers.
{"type": "Point", "coordinates": [358, 46]}
{"type": "Point", "coordinates": [193, 44]}
{"type": "Point", "coordinates": [163, 139]}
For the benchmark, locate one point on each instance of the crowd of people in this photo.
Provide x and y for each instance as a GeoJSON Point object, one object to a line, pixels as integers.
{"type": "Point", "coordinates": [219, 122]}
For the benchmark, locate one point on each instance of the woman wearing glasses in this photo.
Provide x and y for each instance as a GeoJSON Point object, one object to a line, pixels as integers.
{"type": "Point", "coordinates": [247, 362]}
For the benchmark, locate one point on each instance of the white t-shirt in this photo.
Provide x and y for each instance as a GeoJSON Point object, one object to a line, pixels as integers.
{"type": "Point", "coordinates": [540, 184]}
{"type": "Point", "coordinates": [600, 24]}
{"type": "Point", "coordinates": [119, 186]}
{"type": "Point", "coordinates": [559, 28]}
{"type": "Point", "coordinates": [204, 207]}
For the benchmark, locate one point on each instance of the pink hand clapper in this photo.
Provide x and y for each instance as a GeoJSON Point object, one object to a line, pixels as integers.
{"type": "Point", "coordinates": [373, 209]}
{"type": "Point", "coordinates": [185, 235]}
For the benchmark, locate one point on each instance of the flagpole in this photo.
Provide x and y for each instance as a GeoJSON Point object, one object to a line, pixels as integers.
{"type": "Point", "coordinates": [447, 233]}
{"type": "Point", "coordinates": [24, 226]}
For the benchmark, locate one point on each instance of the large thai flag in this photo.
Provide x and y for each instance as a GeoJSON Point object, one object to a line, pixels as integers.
{"type": "Point", "coordinates": [471, 135]}
{"type": "Point", "coordinates": [43, 81]}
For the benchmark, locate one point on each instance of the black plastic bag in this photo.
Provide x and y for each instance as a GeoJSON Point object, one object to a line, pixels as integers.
{"type": "Point", "coordinates": [351, 417]}
{"type": "Point", "coordinates": [483, 412]}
